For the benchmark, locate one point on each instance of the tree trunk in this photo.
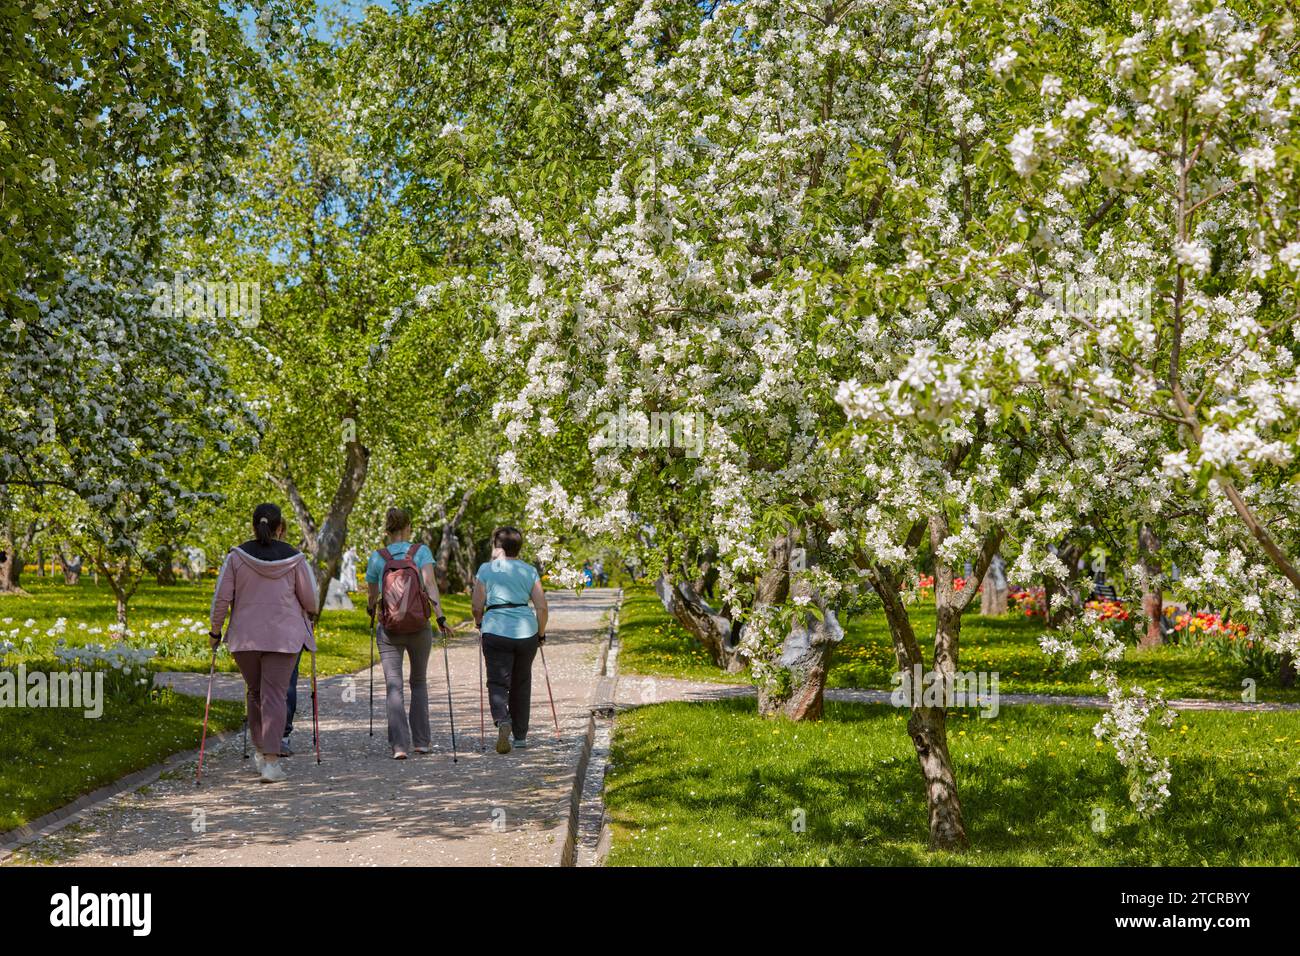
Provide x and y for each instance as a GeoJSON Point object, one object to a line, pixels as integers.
{"type": "Point", "coordinates": [325, 544]}
{"type": "Point", "coordinates": [1287, 671]}
{"type": "Point", "coordinates": [1152, 599]}
{"type": "Point", "coordinates": [71, 567]}
{"type": "Point", "coordinates": [929, 732]}
{"type": "Point", "coordinates": [163, 571]}
{"type": "Point", "coordinates": [927, 726]}
{"type": "Point", "coordinates": [463, 553]}
{"type": "Point", "coordinates": [702, 622]}
{"type": "Point", "coordinates": [11, 569]}
{"type": "Point", "coordinates": [993, 600]}
{"type": "Point", "coordinates": [806, 654]}
{"type": "Point", "coordinates": [40, 562]}
{"type": "Point", "coordinates": [1056, 613]}
{"type": "Point", "coordinates": [806, 650]}
{"type": "Point", "coordinates": [446, 544]}
{"type": "Point", "coordinates": [11, 563]}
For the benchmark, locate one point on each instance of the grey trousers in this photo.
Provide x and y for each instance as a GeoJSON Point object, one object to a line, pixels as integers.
{"type": "Point", "coordinates": [404, 732]}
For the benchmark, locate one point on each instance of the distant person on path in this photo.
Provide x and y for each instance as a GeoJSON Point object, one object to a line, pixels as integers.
{"type": "Point", "coordinates": [269, 590]}
{"type": "Point", "coordinates": [512, 631]}
{"type": "Point", "coordinates": [413, 635]}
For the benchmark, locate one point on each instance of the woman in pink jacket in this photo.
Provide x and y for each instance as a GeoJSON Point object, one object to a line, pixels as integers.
{"type": "Point", "coordinates": [270, 592]}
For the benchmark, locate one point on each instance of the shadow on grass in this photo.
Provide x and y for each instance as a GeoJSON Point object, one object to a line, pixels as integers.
{"type": "Point", "coordinates": [715, 784]}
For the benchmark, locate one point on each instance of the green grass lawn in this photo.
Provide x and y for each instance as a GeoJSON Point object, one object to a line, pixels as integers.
{"type": "Point", "coordinates": [50, 757]}
{"type": "Point", "coordinates": [343, 636]}
{"type": "Point", "coordinates": [651, 642]}
{"type": "Point", "coordinates": [715, 784]}
{"type": "Point", "coordinates": [654, 644]}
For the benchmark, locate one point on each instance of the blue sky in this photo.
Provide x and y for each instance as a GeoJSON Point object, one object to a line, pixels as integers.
{"type": "Point", "coordinates": [351, 10]}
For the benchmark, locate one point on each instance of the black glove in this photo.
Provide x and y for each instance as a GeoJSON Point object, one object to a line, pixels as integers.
{"type": "Point", "coordinates": [442, 622]}
{"type": "Point", "coordinates": [541, 639]}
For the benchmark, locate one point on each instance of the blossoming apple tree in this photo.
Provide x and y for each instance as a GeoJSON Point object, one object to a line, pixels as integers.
{"type": "Point", "coordinates": [1180, 153]}
{"type": "Point", "coordinates": [799, 238]}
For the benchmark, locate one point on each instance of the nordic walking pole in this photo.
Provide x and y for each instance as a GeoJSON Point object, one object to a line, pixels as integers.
{"type": "Point", "coordinates": [482, 733]}
{"type": "Point", "coordinates": [373, 637]}
{"type": "Point", "coordinates": [451, 712]}
{"type": "Point", "coordinates": [315, 719]}
{"type": "Point", "coordinates": [548, 691]}
{"type": "Point", "coordinates": [203, 741]}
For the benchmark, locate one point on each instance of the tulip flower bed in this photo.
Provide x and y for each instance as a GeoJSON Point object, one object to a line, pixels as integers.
{"type": "Point", "coordinates": [1230, 639]}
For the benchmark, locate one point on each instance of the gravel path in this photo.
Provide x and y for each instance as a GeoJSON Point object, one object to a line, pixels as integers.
{"type": "Point", "coordinates": [360, 807]}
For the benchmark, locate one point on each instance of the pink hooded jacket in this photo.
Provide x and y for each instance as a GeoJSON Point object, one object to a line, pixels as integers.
{"type": "Point", "coordinates": [270, 603]}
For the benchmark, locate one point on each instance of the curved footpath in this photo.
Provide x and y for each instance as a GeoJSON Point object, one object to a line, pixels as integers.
{"type": "Point", "coordinates": [360, 807]}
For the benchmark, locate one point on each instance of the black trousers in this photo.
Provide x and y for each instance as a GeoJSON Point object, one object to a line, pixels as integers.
{"type": "Point", "coordinates": [509, 662]}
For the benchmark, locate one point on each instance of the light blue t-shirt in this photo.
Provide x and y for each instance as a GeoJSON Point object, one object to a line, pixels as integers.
{"type": "Point", "coordinates": [375, 566]}
{"type": "Point", "coordinates": [508, 581]}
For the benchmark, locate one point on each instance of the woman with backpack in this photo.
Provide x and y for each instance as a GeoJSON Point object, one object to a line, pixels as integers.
{"type": "Point", "coordinates": [511, 633]}
{"type": "Point", "coordinates": [269, 590]}
{"type": "Point", "coordinates": [403, 591]}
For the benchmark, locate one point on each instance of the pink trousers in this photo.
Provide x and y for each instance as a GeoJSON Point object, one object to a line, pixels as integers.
{"type": "Point", "coordinates": [267, 675]}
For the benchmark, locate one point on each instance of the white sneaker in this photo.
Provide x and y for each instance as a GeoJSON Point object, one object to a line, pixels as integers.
{"type": "Point", "coordinates": [272, 772]}
{"type": "Point", "coordinates": [258, 760]}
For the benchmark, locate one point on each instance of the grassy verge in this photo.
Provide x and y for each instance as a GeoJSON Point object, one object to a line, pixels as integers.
{"type": "Point", "coordinates": [654, 644]}
{"type": "Point", "coordinates": [714, 784]}
{"type": "Point", "coordinates": [50, 757]}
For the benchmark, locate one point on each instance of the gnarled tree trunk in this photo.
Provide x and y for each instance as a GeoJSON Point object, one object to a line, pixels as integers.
{"type": "Point", "coordinates": [324, 544]}
{"type": "Point", "coordinates": [706, 625]}
{"type": "Point", "coordinates": [447, 542]}
{"type": "Point", "coordinates": [70, 565]}
{"type": "Point", "coordinates": [806, 649]}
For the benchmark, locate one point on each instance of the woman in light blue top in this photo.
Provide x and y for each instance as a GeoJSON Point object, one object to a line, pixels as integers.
{"type": "Point", "coordinates": [511, 632]}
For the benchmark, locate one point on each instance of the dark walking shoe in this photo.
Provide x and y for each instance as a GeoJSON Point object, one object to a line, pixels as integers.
{"type": "Point", "coordinates": [503, 737]}
{"type": "Point", "coordinates": [521, 743]}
